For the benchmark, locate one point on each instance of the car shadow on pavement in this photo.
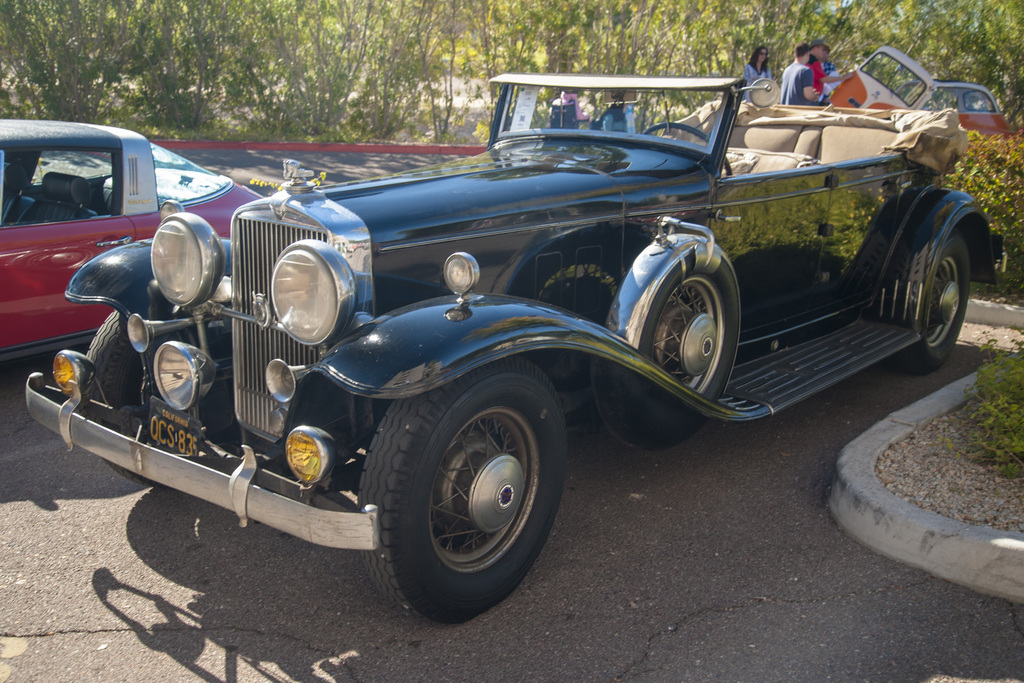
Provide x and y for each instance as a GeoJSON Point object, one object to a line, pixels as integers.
{"type": "Point", "coordinates": [252, 585]}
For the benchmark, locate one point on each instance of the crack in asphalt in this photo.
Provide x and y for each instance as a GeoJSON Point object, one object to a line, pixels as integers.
{"type": "Point", "coordinates": [631, 671]}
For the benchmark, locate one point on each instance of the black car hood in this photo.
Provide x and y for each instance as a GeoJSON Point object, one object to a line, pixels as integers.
{"type": "Point", "coordinates": [539, 182]}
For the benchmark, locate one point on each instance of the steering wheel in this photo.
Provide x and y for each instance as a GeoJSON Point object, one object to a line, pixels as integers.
{"type": "Point", "coordinates": [669, 126]}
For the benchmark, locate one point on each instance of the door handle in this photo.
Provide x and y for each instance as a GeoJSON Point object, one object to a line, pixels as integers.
{"type": "Point", "coordinates": [891, 188]}
{"type": "Point", "coordinates": [720, 216]}
{"type": "Point", "coordinates": [127, 239]}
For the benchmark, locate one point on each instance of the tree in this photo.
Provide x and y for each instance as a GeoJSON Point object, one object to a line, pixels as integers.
{"type": "Point", "coordinates": [63, 58]}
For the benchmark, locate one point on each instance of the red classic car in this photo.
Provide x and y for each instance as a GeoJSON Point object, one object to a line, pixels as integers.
{"type": "Point", "coordinates": [71, 191]}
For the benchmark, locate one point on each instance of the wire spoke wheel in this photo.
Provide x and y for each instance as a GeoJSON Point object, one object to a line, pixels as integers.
{"type": "Point", "coordinates": [468, 486]}
{"type": "Point", "coordinates": [944, 307]}
{"type": "Point", "coordinates": [944, 301]}
{"type": "Point", "coordinates": [688, 338]}
{"type": "Point", "coordinates": [467, 479]}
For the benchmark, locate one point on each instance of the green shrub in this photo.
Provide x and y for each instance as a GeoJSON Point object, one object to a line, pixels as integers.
{"type": "Point", "coordinates": [999, 411]}
{"type": "Point", "coordinates": [993, 173]}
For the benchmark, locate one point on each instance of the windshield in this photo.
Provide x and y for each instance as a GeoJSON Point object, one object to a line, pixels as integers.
{"type": "Point", "coordinates": [179, 179]}
{"type": "Point", "coordinates": [685, 116]}
{"type": "Point", "coordinates": [896, 76]}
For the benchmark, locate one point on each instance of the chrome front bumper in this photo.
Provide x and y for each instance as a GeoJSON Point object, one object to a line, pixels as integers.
{"type": "Point", "coordinates": [235, 491]}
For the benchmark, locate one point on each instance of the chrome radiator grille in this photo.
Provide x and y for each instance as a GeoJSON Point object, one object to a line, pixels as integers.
{"type": "Point", "coordinates": [255, 246]}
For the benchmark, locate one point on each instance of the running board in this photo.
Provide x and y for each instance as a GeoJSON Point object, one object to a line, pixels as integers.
{"type": "Point", "coordinates": [784, 378]}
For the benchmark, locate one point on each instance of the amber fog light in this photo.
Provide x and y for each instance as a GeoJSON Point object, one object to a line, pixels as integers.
{"type": "Point", "coordinates": [72, 371]}
{"type": "Point", "coordinates": [310, 454]}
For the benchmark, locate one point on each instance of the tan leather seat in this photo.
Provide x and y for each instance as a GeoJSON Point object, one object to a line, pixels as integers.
{"type": "Point", "coordinates": [788, 138]}
{"type": "Point", "coordinates": [841, 143]}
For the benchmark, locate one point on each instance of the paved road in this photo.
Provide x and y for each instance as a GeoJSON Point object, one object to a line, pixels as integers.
{"type": "Point", "coordinates": [716, 560]}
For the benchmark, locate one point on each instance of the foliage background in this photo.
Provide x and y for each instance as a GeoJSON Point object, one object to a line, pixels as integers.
{"type": "Point", "coordinates": [993, 173]}
{"type": "Point", "coordinates": [364, 70]}
{"type": "Point", "coordinates": [417, 70]}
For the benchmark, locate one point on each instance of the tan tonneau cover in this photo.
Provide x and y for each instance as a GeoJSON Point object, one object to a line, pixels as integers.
{"type": "Point", "coordinates": [933, 139]}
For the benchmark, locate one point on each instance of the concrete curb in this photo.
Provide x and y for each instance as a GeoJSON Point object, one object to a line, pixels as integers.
{"type": "Point", "coordinates": [1001, 315]}
{"type": "Point", "coordinates": [984, 559]}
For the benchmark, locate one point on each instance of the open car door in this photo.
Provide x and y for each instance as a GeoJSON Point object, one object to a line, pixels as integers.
{"type": "Point", "coordinates": [888, 79]}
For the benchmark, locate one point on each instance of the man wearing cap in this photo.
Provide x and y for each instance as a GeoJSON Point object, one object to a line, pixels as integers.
{"type": "Point", "coordinates": [798, 80]}
{"type": "Point", "coordinates": [826, 76]}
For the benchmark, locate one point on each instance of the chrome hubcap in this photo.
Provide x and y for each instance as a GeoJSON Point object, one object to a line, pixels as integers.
{"type": "Point", "coordinates": [483, 490]}
{"type": "Point", "coordinates": [687, 340]}
{"type": "Point", "coordinates": [949, 302]}
{"type": "Point", "coordinates": [697, 347]}
{"type": "Point", "coordinates": [495, 493]}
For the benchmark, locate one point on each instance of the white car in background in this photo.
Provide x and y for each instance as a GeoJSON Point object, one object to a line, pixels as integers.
{"type": "Point", "coordinates": [889, 79]}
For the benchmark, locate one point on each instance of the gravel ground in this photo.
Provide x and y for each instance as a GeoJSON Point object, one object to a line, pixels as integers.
{"type": "Point", "coordinates": [933, 469]}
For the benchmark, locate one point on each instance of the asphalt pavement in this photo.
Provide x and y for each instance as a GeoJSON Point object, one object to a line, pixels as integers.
{"type": "Point", "coordinates": [717, 560]}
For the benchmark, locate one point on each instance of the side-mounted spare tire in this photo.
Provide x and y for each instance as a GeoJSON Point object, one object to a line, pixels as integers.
{"type": "Point", "coordinates": [693, 329]}
{"type": "Point", "coordinates": [692, 332]}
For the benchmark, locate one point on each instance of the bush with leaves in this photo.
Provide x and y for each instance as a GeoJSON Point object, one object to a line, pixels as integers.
{"type": "Point", "coordinates": [993, 173]}
{"type": "Point", "coordinates": [999, 411]}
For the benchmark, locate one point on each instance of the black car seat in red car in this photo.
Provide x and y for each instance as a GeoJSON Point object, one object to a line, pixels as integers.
{"type": "Point", "coordinates": [15, 204]}
{"type": "Point", "coordinates": [64, 198]}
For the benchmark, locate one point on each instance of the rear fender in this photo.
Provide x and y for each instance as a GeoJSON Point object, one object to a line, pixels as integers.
{"type": "Point", "coordinates": [929, 225]}
{"type": "Point", "coordinates": [926, 228]}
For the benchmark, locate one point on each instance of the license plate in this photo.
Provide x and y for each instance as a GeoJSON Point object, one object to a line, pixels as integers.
{"type": "Point", "coordinates": [173, 430]}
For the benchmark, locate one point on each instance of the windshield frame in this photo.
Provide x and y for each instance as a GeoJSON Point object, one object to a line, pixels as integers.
{"type": "Point", "coordinates": [526, 100]}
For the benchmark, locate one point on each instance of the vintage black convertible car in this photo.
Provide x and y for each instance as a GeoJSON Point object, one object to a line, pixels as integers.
{"type": "Point", "coordinates": [390, 365]}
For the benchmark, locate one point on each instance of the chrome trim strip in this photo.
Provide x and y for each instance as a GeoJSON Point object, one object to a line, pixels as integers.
{"type": "Point", "coordinates": [448, 238]}
{"type": "Point", "coordinates": [669, 209]}
{"type": "Point", "coordinates": [331, 528]}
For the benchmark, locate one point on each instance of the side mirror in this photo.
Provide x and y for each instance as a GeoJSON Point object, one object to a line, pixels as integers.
{"type": "Point", "coordinates": [764, 92]}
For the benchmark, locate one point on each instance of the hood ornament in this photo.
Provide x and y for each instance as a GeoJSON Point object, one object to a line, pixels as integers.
{"type": "Point", "coordinates": [297, 178]}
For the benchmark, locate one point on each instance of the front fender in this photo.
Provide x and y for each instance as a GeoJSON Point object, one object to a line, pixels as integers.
{"type": "Point", "coordinates": [426, 345]}
{"type": "Point", "coordinates": [122, 278]}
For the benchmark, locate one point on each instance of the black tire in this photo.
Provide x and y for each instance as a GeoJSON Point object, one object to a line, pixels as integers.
{"type": "Point", "coordinates": [438, 470]}
{"type": "Point", "coordinates": [693, 329]}
{"type": "Point", "coordinates": [945, 306]}
{"type": "Point", "coordinates": [119, 374]}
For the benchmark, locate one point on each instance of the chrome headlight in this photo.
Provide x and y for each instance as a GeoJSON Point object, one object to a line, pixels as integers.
{"type": "Point", "coordinates": [184, 374]}
{"type": "Point", "coordinates": [313, 291]}
{"type": "Point", "coordinates": [188, 259]}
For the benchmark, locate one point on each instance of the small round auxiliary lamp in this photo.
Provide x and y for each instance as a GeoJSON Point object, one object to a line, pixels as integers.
{"type": "Point", "coordinates": [461, 274]}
